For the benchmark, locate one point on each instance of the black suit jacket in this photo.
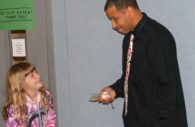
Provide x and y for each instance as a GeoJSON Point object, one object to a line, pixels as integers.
{"type": "Point", "coordinates": [155, 90]}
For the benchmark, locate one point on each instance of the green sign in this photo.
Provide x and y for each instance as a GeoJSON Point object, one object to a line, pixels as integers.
{"type": "Point", "coordinates": [16, 14]}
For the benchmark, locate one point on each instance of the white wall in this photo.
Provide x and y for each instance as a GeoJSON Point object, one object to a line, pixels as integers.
{"type": "Point", "coordinates": [88, 57]}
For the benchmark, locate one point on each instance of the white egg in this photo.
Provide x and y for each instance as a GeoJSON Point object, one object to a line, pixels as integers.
{"type": "Point", "coordinates": [105, 95]}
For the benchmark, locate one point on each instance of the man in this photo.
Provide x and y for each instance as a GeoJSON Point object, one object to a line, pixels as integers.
{"type": "Point", "coordinates": [153, 91]}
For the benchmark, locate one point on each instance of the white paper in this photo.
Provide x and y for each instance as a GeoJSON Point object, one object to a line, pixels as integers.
{"type": "Point", "coordinates": [19, 49]}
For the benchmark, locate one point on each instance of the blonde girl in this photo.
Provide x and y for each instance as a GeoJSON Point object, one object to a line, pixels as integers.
{"type": "Point", "coordinates": [26, 94]}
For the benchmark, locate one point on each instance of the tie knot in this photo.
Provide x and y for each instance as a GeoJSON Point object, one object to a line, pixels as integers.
{"type": "Point", "coordinates": [132, 37]}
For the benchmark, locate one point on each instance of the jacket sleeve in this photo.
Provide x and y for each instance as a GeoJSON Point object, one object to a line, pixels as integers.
{"type": "Point", "coordinates": [118, 87]}
{"type": "Point", "coordinates": [12, 120]}
{"type": "Point", "coordinates": [51, 116]}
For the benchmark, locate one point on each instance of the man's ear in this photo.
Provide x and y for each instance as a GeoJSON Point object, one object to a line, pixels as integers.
{"type": "Point", "coordinates": [129, 11]}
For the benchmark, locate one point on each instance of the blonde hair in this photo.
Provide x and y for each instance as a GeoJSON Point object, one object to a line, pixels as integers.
{"type": "Point", "coordinates": [15, 91]}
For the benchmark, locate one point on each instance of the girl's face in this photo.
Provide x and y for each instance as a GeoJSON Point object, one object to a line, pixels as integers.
{"type": "Point", "coordinates": [32, 81]}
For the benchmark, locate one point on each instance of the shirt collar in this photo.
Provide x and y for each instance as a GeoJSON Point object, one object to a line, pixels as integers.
{"type": "Point", "coordinates": [140, 25]}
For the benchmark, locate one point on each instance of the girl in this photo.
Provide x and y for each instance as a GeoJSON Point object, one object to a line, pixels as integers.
{"type": "Point", "coordinates": [28, 102]}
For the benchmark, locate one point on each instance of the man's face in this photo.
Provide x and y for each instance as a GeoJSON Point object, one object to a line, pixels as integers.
{"type": "Point", "coordinates": [120, 19]}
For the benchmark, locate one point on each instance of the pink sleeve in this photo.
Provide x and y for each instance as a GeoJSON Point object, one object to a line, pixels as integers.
{"type": "Point", "coordinates": [51, 119]}
{"type": "Point", "coordinates": [12, 121]}
{"type": "Point", "coordinates": [51, 116]}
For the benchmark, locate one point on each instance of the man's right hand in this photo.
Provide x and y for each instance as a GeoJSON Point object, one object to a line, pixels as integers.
{"type": "Point", "coordinates": [107, 95]}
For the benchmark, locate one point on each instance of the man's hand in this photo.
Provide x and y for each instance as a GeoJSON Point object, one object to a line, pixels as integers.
{"type": "Point", "coordinates": [107, 95]}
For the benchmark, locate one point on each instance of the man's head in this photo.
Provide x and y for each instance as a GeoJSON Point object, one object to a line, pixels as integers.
{"type": "Point", "coordinates": [124, 14]}
{"type": "Point", "coordinates": [120, 4]}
